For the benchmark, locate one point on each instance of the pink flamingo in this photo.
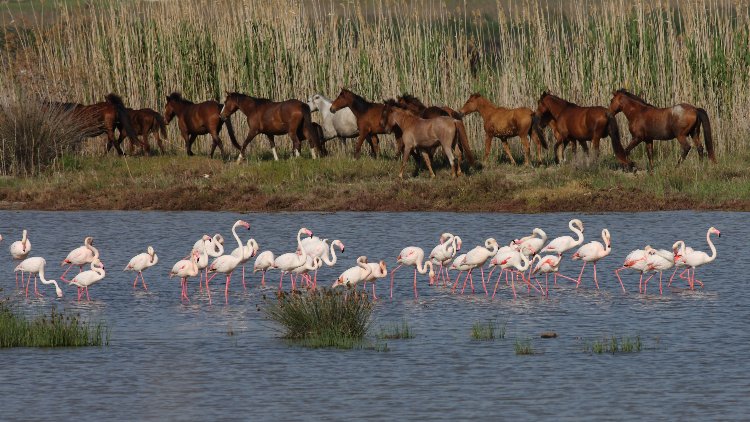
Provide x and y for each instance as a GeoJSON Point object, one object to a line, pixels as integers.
{"type": "Point", "coordinates": [459, 265]}
{"type": "Point", "coordinates": [477, 257]}
{"type": "Point", "coordinates": [244, 254]}
{"type": "Point", "coordinates": [202, 246]}
{"type": "Point", "coordinates": [593, 252]}
{"type": "Point", "coordinates": [141, 262]}
{"type": "Point", "coordinates": [413, 256]}
{"type": "Point", "coordinates": [80, 256]}
{"type": "Point", "coordinates": [289, 261]}
{"type": "Point", "coordinates": [263, 262]}
{"type": "Point", "coordinates": [562, 244]}
{"type": "Point", "coordinates": [354, 275]}
{"type": "Point", "coordinates": [226, 264]}
{"type": "Point", "coordinates": [520, 262]}
{"type": "Point", "coordinates": [185, 269]}
{"type": "Point", "coordinates": [658, 260]}
{"type": "Point", "coordinates": [698, 258]}
{"type": "Point", "coordinates": [530, 245]}
{"type": "Point", "coordinates": [85, 279]}
{"type": "Point", "coordinates": [35, 265]}
{"type": "Point", "coordinates": [636, 261]}
{"type": "Point", "coordinates": [311, 264]}
{"type": "Point", "coordinates": [679, 249]}
{"type": "Point", "coordinates": [20, 250]}
{"type": "Point", "coordinates": [549, 264]}
{"type": "Point", "coordinates": [378, 271]}
{"type": "Point", "coordinates": [443, 253]}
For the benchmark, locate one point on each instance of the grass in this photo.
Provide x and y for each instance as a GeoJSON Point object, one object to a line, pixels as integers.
{"type": "Point", "coordinates": [524, 347]}
{"type": "Point", "coordinates": [396, 332]}
{"type": "Point", "coordinates": [322, 319]}
{"type": "Point", "coordinates": [489, 330]}
{"type": "Point", "coordinates": [50, 330]}
{"type": "Point", "coordinates": [614, 345]}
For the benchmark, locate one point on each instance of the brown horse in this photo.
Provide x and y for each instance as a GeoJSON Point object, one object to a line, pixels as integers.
{"type": "Point", "coordinates": [648, 124]}
{"type": "Point", "coordinates": [422, 134]}
{"type": "Point", "coordinates": [369, 119]}
{"type": "Point", "coordinates": [145, 122]}
{"type": "Point", "coordinates": [198, 119]}
{"type": "Point", "coordinates": [101, 118]}
{"type": "Point", "coordinates": [504, 123]}
{"type": "Point", "coordinates": [416, 106]}
{"type": "Point", "coordinates": [271, 118]}
{"type": "Point", "coordinates": [574, 123]}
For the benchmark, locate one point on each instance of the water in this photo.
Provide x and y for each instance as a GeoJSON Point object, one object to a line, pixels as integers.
{"type": "Point", "coordinates": [172, 361]}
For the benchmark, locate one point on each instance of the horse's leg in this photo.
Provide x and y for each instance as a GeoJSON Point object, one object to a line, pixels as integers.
{"type": "Point", "coordinates": [375, 146]}
{"type": "Point", "coordinates": [506, 147]}
{"type": "Point", "coordinates": [407, 154]}
{"type": "Point", "coordinates": [595, 145]}
{"type": "Point", "coordinates": [559, 148]}
{"type": "Point", "coordinates": [650, 155]}
{"type": "Point", "coordinates": [144, 145]}
{"type": "Point", "coordinates": [685, 148]}
{"type": "Point", "coordinates": [451, 160]}
{"type": "Point", "coordinates": [487, 146]}
{"type": "Point", "coordinates": [217, 142]}
{"type": "Point", "coordinates": [426, 158]}
{"type": "Point", "coordinates": [459, 156]}
{"type": "Point", "coordinates": [296, 143]}
{"type": "Point", "coordinates": [189, 139]}
{"type": "Point", "coordinates": [526, 149]}
{"type": "Point", "coordinates": [360, 141]}
{"type": "Point", "coordinates": [120, 137]}
{"type": "Point", "coordinates": [272, 143]}
{"type": "Point", "coordinates": [158, 141]}
{"type": "Point", "coordinates": [697, 142]}
{"type": "Point", "coordinates": [111, 139]}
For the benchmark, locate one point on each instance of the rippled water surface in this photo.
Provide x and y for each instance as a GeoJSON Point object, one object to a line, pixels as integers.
{"type": "Point", "coordinates": [170, 361]}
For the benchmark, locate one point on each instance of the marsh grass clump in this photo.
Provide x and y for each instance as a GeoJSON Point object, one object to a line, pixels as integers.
{"type": "Point", "coordinates": [49, 330]}
{"type": "Point", "coordinates": [396, 332]}
{"type": "Point", "coordinates": [614, 344]}
{"type": "Point", "coordinates": [323, 318]}
{"type": "Point", "coordinates": [489, 330]}
{"type": "Point", "coordinates": [524, 347]}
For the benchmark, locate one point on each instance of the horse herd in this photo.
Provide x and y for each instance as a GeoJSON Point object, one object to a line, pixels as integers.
{"type": "Point", "coordinates": [419, 129]}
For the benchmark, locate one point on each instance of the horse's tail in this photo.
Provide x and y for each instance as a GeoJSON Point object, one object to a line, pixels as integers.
{"type": "Point", "coordinates": [162, 124]}
{"type": "Point", "coordinates": [309, 131]}
{"type": "Point", "coordinates": [232, 137]}
{"type": "Point", "coordinates": [122, 116]}
{"type": "Point", "coordinates": [536, 126]}
{"type": "Point", "coordinates": [703, 116]}
{"type": "Point", "coordinates": [463, 141]}
{"type": "Point", "coordinates": [614, 135]}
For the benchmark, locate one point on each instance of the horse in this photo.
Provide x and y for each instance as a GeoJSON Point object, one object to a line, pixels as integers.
{"type": "Point", "coordinates": [342, 124]}
{"type": "Point", "coordinates": [369, 122]}
{"type": "Point", "coordinates": [290, 117]}
{"type": "Point", "coordinates": [576, 123]}
{"type": "Point", "coordinates": [198, 119]}
{"type": "Point", "coordinates": [648, 124]}
{"type": "Point", "coordinates": [423, 134]}
{"type": "Point", "coordinates": [100, 118]}
{"type": "Point", "coordinates": [504, 123]}
{"type": "Point", "coordinates": [145, 122]}
{"type": "Point", "coordinates": [416, 106]}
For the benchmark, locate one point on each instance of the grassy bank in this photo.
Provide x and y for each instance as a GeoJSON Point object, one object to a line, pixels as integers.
{"type": "Point", "coordinates": [342, 183]}
{"type": "Point", "coordinates": [49, 330]}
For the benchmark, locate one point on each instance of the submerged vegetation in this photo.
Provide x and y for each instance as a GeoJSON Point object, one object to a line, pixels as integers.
{"type": "Point", "coordinates": [50, 330]}
{"type": "Point", "coordinates": [489, 330]}
{"type": "Point", "coordinates": [614, 344]}
{"type": "Point", "coordinates": [395, 331]}
{"type": "Point", "coordinates": [524, 347]}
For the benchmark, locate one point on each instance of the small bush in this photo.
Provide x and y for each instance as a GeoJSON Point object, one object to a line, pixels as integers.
{"type": "Point", "coordinates": [524, 347]}
{"type": "Point", "coordinates": [614, 345]}
{"type": "Point", "coordinates": [487, 331]}
{"type": "Point", "coordinates": [396, 332]}
{"type": "Point", "coordinates": [52, 330]}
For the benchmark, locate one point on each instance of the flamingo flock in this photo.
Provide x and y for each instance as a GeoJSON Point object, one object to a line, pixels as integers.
{"type": "Point", "coordinates": [523, 260]}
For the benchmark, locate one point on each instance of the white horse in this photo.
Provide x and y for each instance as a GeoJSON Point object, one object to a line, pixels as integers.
{"type": "Point", "coordinates": [342, 124]}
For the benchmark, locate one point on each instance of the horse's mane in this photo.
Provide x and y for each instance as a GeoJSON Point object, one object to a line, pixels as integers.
{"type": "Point", "coordinates": [176, 96]}
{"type": "Point", "coordinates": [632, 96]}
{"type": "Point", "coordinates": [555, 97]}
{"type": "Point", "coordinates": [114, 99]}
{"type": "Point", "coordinates": [408, 98]}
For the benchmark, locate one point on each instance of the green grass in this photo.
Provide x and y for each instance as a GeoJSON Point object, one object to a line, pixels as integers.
{"type": "Point", "coordinates": [489, 330]}
{"type": "Point", "coordinates": [396, 331]}
{"type": "Point", "coordinates": [524, 347]}
{"type": "Point", "coordinates": [49, 330]}
{"type": "Point", "coordinates": [614, 344]}
{"type": "Point", "coordinates": [321, 318]}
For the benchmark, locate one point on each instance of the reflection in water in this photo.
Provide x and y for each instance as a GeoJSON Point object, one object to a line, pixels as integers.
{"type": "Point", "coordinates": [193, 361]}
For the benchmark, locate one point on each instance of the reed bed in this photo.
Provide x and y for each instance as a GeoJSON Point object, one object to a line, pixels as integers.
{"type": "Point", "coordinates": [524, 347]}
{"type": "Point", "coordinates": [489, 330]}
{"type": "Point", "coordinates": [669, 52]}
{"type": "Point", "coordinates": [49, 330]}
{"type": "Point", "coordinates": [395, 331]}
{"type": "Point", "coordinates": [614, 344]}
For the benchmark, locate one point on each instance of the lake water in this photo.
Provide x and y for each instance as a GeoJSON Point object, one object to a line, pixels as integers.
{"type": "Point", "coordinates": [171, 361]}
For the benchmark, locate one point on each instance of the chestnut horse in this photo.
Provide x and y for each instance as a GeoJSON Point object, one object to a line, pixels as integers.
{"type": "Point", "coordinates": [416, 106]}
{"type": "Point", "coordinates": [369, 119]}
{"type": "Point", "coordinates": [145, 122]}
{"type": "Point", "coordinates": [198, 119]}
{"type": "Point", "coordinates": [101, 118]}
{"type": "Point", "coordinates": [504, 123]}
{"type": "Point", "coordinates": [271, 118]}
{"type": "Point", "coordinates": [423, 134]}
{"type": "Point", "coordinates": [648, 124]}
{"type": "Point", "coordinates": [575, 123]}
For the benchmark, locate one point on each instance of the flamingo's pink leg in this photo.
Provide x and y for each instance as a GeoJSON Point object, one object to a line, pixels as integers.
{"type": "Point", "coordinates": [484, 286]}
{"type": "Point", "coordinates": [617, 273]}
{"type": "Point", "coordinates": [645, 283]}
{"type": "Point", "coordinates": [36, 291]}
{"type": "Point", "coordinates": [670, 278]}
{"type": "Point", "coordinates": [415, 283]}
{"type": "Point", "coordinates": [581, 274]}
{"type": "Point", "coordinates": [596, 282]}
{"type": "Point", "coordinates": [468, 274]}
{"type": "Point", "coordinates": [453, 290]}
{"type": "Point", "coordinates": [27, 286]}
{"type": "Point", "coordinates": [374, 296]}
{"type": "Point", "coordinates": [393, 274]}
{"type": "Point", "coordinates": [513, 286]}
{"type": "Point", "coordinates": [660, 273]}
{"type": "Point", "coordinates": [263, 280]}
{"type": "Point", "coordinates": [88, 299]}
{"type": "Point", "coordinates": [281, 280]}
{"type": "Point", "coordinates": [143, 281]}
{"type": "Point", "coordinates": [471, 280]}
{"type": "Point", "coordinates": [243, 278]}
{"type": "Point", "coordinates": [226, 289]}
{"type": "Point", "coordinates": [546, 284]}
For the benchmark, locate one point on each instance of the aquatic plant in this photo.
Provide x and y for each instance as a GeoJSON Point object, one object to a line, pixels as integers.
{"type": "Point", "coordinates": [321, 318]}
{"type": "Point", "coordinates": [524, 347]}
{"type": "Point", "coordinates": [489, 330]}
{"type": "Point", "coordinates": [614, 345]}
{"type": "Point", "coordinates": [55, 329]}
{"type": "Point", "coordinates": [396, 331]}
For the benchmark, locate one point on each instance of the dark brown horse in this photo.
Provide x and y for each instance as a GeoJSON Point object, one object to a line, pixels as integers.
{"type": "Point", "coordinates": [368, 119]}
{"type": "Point", "coordinates": [575, 123]}
{"type": "Point", "coordinates": [271, 118]}
{"type": "Point", "coordinates": [504, 123]}
{"type": "Point", "coordinates": [416, 106]}
{"type": "Point", "coordinates": [101, 118]}
{"type": "Point", "coordinates": [145, 122]}
{"type": "Point", "coordinates": [198, 119]}
{"type": "Point", "coordinates": [648, 124]}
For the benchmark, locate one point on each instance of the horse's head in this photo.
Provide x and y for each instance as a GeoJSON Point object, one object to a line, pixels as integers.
{"type": "Point", "coordinates": [541, 105]}
{"type": "Point", "coordinates": [411, 103]}
{"type": "Point", "coordinates": [231, 104]}
{"type": "Point", "coordinates": [389, 117]}
{"type": "Point", "coordinates": [313, 102]}
{"type": "Point", "coordinates": [345, 99]}
{"type": "Point", "coordinates": [472, 104]}
{"type": "Point", "coordinates": [169, 110]}
{"type": "Point", "coordinates": [615, 106]}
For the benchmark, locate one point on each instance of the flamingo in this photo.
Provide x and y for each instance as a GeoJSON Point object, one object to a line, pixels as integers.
{"type": "Point", "coordinates": [141, 262]}
{"type": "Point", "coordinates": [185, 269]}
{"type": "Point", "coordinates": [477, 257]}
{"type": "Point", "coordinates": [328, 261]}
{"type": "Point", "coordinates": [521, 263]}
{"type": "Point", "coordinates": [530, 245]}
{"type": "Point", "coordinates": [679, 249]}
{"type": "Point", "coordinates": [244, 254]}
{"type": "Point", "coordinates": [501, 254]}
{"type": "Point", "coordinates": [696, 259]}
{"type": "Point", "coordinates": [311, 264]}
{"type": "Point", "coordinates": [80, 256]}
{"type": "Point", "coordinates": [413, 256]}
{"type": "Point", "coordinates": [548, 264]}
{"type": "Point", "coordinates": [85, 279]}
{"type": "Point", "coordinates": [20, 250]}
{"type": "Point", "coordinates": [562, 244]}
{"type": "Point", "coordinates": [289, 261]}
{"type": "Point", "coordinates": [226, 264]}
{"type": "Point", "coordinates": [636, 261]}
{"type": "Point", "coordinates": [379, 270]}
{"type": "Point", "coordinates": [658, 260]}
{"type": "Point", "coordinates": [354, 275]}
{"type": "Point", "coordinates": [263, 262]}
{"type": "Point", "coordinates": [459, 265]}
{"type": "Point", "coordinates": [202, 246]}
{"type": "Point", "coordinates": [35, 265]}
{"type": "Point", "coordinates": [593, 252]}
{"type": "Point", "coordinates": [443, 253]}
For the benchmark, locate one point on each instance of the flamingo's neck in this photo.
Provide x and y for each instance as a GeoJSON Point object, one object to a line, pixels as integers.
{"type": "Point", "coordinates": [332, 261]}
{"type": "Point", "coordinates": [578, 233]}
{"type": "Point", "coordinates": [239, 242]}
{"type": "Point", "coordinates": [711, 245]}
{"type": "Point", "coordinates": [303, 256]}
